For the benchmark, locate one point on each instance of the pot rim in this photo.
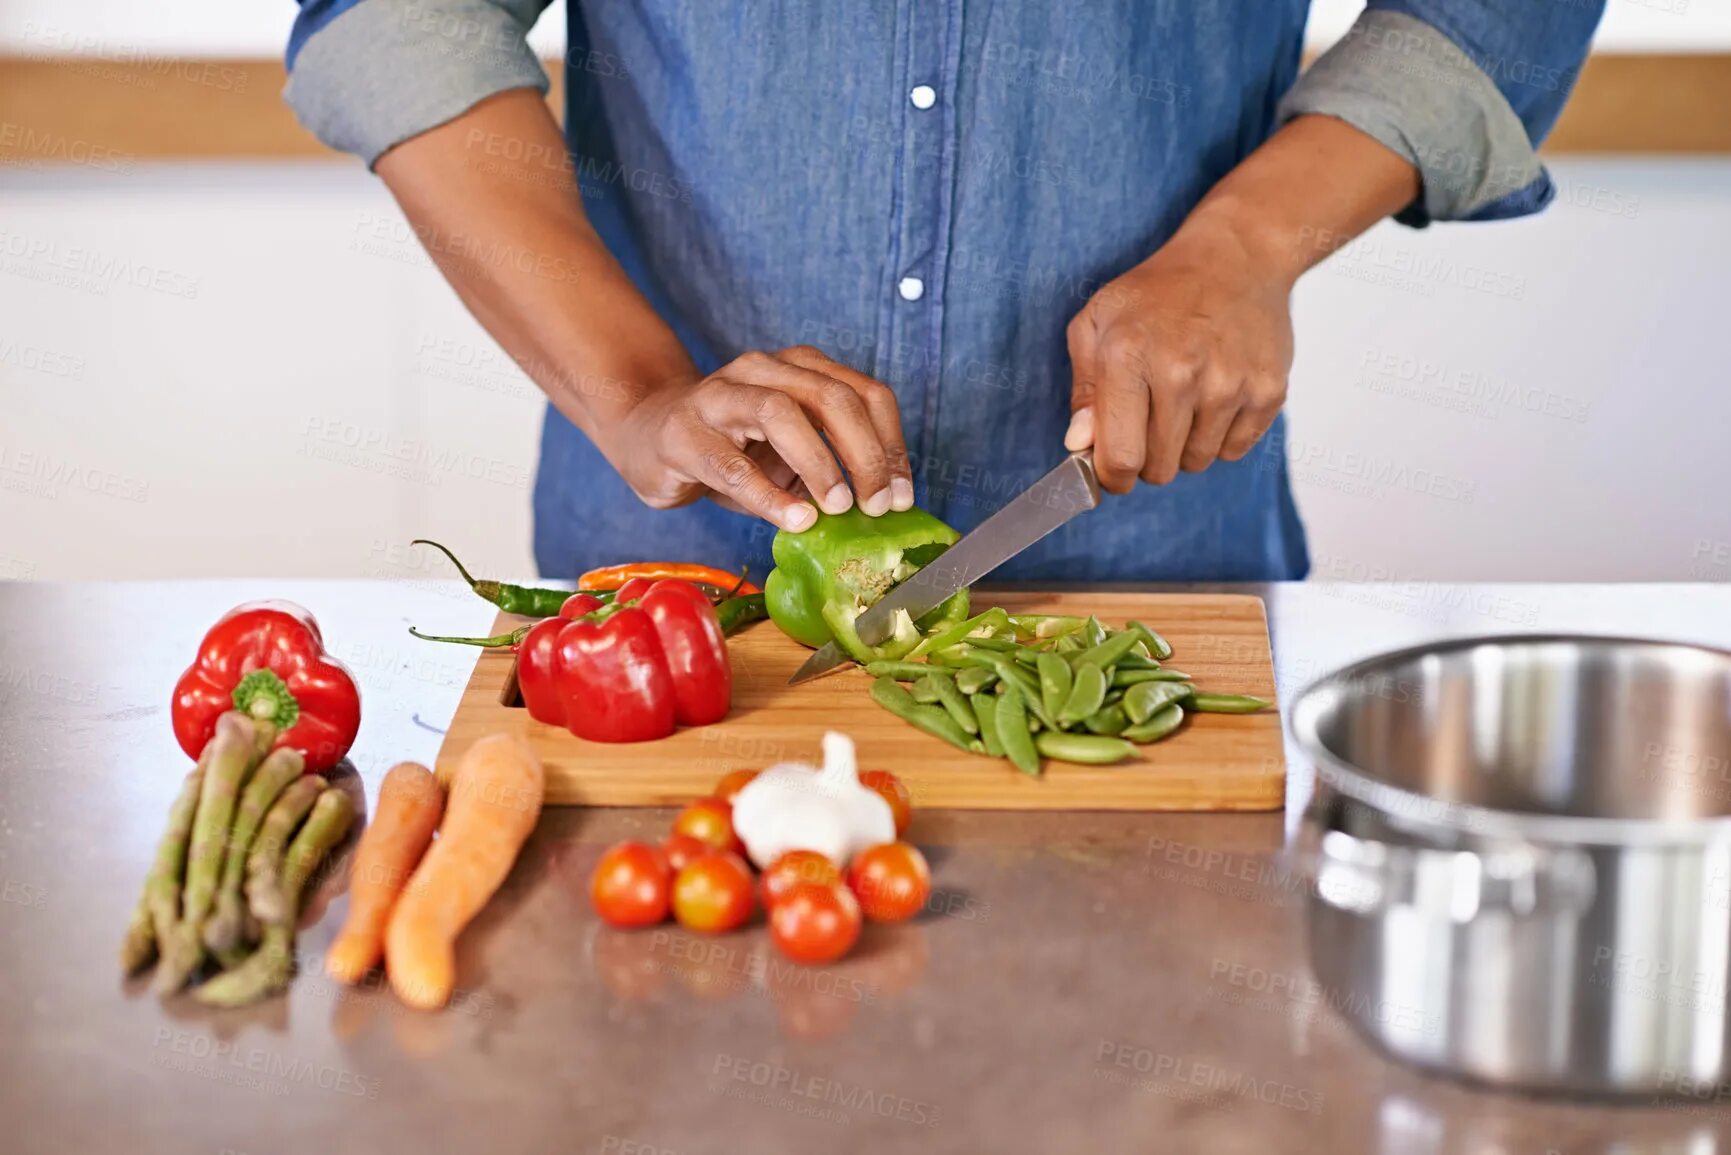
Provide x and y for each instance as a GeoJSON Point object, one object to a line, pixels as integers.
{"type": "Point", "coordinates": [1412, 808]}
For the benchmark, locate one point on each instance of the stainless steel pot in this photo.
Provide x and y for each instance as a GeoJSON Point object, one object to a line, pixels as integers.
{"type": "Point", "coordinates": [1522, 857]}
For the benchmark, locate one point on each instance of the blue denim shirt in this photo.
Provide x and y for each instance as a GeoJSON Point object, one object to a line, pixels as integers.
{"type": "Point", "coordinates": [929, 190]}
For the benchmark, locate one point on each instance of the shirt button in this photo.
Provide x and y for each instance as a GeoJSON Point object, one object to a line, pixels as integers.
{"type": "Point", "coordinates": [923, 97]}
{"type": "Point", "coordinates": [911, 288]}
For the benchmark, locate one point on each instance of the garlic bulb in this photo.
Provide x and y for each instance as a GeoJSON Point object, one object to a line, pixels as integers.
{"type": "Point", "coordinates": [792, 806]}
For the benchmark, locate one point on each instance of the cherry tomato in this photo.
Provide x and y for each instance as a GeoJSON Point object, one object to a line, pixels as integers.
{"type": "Point", "coordinates": [793, 868]}
{"type": "Point", "coordinates": [630, 885]}
{"type": "Point", "coordinates": [894, 792]}
{"type": "Point", "coordinates": [713, 893]}
{"type": "Point", "coordinates": [710, 820]}
{"type": "Point", "coordinates": [815, 922]}
{"type": "Point", "coordinates": [682, 848]}
{"type": "Point", "coordinates": [733, 782]}
{"type": "Point", "coordinates": [891, 881]}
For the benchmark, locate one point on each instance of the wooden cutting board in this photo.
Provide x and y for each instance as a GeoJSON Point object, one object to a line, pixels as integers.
{"type": "Point", "coordinates": [1216, 762]}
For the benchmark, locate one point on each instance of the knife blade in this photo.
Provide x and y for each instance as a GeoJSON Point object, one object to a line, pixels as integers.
{"type": "Point", "coordinates": [1051, 501]}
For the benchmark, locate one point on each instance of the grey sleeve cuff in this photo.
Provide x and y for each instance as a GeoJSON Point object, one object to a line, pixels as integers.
{"type": "Point", "coordinates": [387, 70]}
{"type": "Point", "coordinates": [1402, 82]}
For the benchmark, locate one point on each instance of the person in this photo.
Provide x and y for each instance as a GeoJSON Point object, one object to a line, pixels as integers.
{"type": "Point", "coordinates": [792, 255]}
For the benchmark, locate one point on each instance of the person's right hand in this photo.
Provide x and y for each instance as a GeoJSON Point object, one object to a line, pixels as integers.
{"type": "Point", "coordinates": [752, 434]}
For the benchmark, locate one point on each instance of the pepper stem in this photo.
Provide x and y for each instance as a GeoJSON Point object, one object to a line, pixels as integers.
{"type": "Point", "coordinates": [490, 590]}
{"type": "Point", "coordinates": [511, 639]}
{"type": "Point", "coordinates": [263, 696]}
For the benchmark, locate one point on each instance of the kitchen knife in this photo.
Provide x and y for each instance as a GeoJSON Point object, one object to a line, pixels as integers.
{"type": "Point", "coordinates": [1037, 511]}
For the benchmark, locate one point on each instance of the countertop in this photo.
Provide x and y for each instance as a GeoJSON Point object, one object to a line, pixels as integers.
{"type": "Point", "coordinates": [1084, 982]}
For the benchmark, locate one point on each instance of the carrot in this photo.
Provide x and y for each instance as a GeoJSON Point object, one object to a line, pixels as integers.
{"type": "Point", "coordinates": [410, 803]}
{"type": "Point", "coordinates": [494, 802]}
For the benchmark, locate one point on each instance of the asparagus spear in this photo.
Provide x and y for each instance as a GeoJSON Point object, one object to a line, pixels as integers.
{"type": "Point", "coordinates": [269, 968]}
{"type": "Point", "coordinates": [227, 757]}
{"type": "Point", "coordinates": [227, 923]}
{"type": "Point", "coordinates": [263, 864]}
{"type": "Point", "coordinates": [159, 905]}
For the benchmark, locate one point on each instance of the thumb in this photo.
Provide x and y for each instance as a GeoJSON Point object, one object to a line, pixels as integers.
{"type": "Point", "coordinates": [1083, 373]}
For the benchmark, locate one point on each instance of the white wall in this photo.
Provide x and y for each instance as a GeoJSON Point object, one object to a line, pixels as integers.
{"type": "Point", "coordinates": [252, 370]}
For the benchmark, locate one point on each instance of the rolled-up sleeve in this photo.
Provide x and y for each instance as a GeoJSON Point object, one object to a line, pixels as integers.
{"type": "Point", "coordinates": [365, 75]}
{"type": "Point", "coordinates": [1464, 89]}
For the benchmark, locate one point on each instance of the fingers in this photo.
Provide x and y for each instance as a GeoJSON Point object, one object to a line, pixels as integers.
{"type": "Point", "coordinates": [761, 413]}
{"type": "Point", "coordinates": [838, 409]}
{"type": "Point", "coordinates": [1173, 414]}
{"type": "Point", "coordinates": [1247, 429]}
{"type": "Point", "coordinates": [1084, 370]}
{"type": "Point", "coordinates": [1214, 414]}
{"type": "Point", "coordinates": [886, 419]}
{"type": "Point", "coordinates": [1121, 410]}
{"type": "Point", "coordinates": [736, 479]}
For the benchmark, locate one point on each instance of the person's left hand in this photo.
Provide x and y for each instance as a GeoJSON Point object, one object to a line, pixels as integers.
{"type": "Point", "coordinates": [1180, 361]}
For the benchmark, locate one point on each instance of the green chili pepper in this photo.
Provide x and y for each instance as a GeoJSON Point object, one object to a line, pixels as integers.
{"type": "Point", "coordinates": [528, 601]}
{"type": "Point", "coordinates": [1013, 732]}
{"type": "Point", "coordinates": [985, 708]}
{"type": "Point", "coordinates": [1123, 677]}
{"type": "Point", "coordinates": [1087, 694]}
{"type": "Point", "coordinates": [937, 723]}
{"type": "Point", "coordinates": [1089, 749]}
{"type": "Point", "coordinates": [899, 671]}
{"type": "Point", "coordinates": [925, 690]}
{"type": "Point", "coordinates": [1157, 645]}
{"type": "Point", "coordinates": [1164, 721]}
{"type": "Point", "coordinates": [736, 613]}
{"type": "Point", "coordinates": [973, 679]}
{"type": "Point", "coordinates": [1111, 720]}
{"type": "Point", "coordinates": [1145, 699]}
{"type": "Point", "coordinates": [955, 703]}
{"type": "Point", "coordinates": [1056, 679]}
{"type": "Point", "coordinates": [1226, 703]}
{"type": "Point", "coordinates": [825, 577]}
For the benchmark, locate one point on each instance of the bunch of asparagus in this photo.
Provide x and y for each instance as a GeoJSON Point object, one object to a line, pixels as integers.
{"type": "Point", "coordinates": [244, 835]}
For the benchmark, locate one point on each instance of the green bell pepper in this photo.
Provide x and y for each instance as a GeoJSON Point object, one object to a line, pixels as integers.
{"type": "Point", "coordinates": [825, 578]}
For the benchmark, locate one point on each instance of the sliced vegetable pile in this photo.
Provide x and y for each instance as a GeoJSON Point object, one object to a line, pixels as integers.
{"type": "Point", "coordinates": [801, 825]}
{"type": "Point", "coordinates": [1031, 686]}
{"type": "Point", "coordinates": [244, 836]}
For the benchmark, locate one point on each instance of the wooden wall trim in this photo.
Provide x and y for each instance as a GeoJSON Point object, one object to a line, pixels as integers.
{"type": "Point", "coordinates": [111, 114]}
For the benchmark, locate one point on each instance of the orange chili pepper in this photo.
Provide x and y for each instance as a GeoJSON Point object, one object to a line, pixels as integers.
{"type": "Point", "coordinates": [613, 576]}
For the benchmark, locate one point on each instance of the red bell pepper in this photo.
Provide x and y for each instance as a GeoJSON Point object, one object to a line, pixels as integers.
{"type": "Point", "coordinates": [629, 673]}
{"type": "Point", "coordinates": [268, 660]}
